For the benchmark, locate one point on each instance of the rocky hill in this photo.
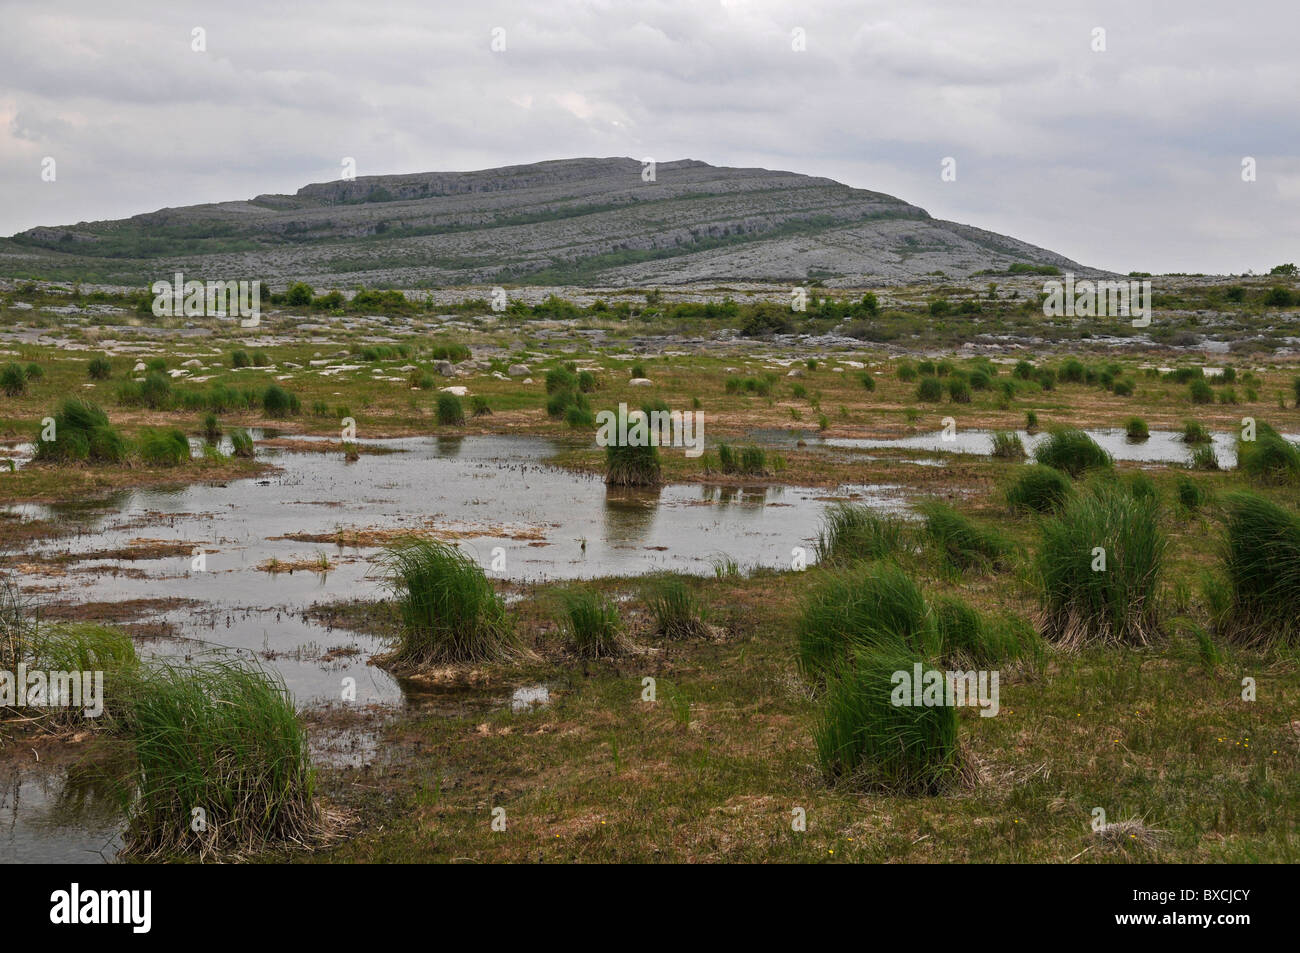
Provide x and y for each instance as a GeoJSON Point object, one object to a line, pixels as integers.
{"type": "Point", "coordinates": [570, 221]}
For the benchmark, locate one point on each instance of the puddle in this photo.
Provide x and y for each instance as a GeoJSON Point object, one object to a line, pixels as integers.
{"type": "Point", "coordinates": [528, 697]}
{"type": "Point", "coordinates": [494, 495]}
{"type": "Point", "coordinates": [59, 814]}
{"type": "Point", "coordinates": [1163, 446]}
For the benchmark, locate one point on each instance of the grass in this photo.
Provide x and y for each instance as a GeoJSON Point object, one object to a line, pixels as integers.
{"type": "Point", "coordinates": [1135, 428]}
{"type": "Point", "coordinates": [241, 443]}
{"type": "Point", "coordinates": [163, 447]}
{"type": "Point", "coordinates": [628, 465]}
{"type": "Point", "coordinates": [81, 434]}
{"type": "Point", "coordinates": [450, 411]}
{"type": "Point", "coordinates": [1099, 565]}
{"type": "Point", "coordinates": [749, 460]}
{"type": "Point", "coordinates": [279, 403]}
{"type": "Point", "coordinates": [449, 610]}
{"type": "Point", "coordinates": [866, 742]}
{"type": "Point", "coordinates": [853, 531]}
{"type": "Point", "coordinates": [1038, 488]}
{"type": "Point", "coordinates": [1007, 446]}
{"type": "Point", "coordinates": [968, 638]}
{"type": "Point", "coordinates": [1260, 553]}
{"type": "Point", "coordinates": [962, 542]}
{"type": "Point", "coordinates": [868, 606]}
{"type": "Point", "coordinates": [224, 768]}
{"type": "Point", "coordinates": [676, 611]}
{"type": "Point", "coordinates": [1072, 452]}
{"type": "Point", "coordinates": [13, 380]}
{"type": "Point", "coordinates": [1195, 432]}
{"type": "Point", "coordinates": [1191, 495]}
{"type": "Point", "coordinates": [1270, 458]}
{"type": "Point", "coordinates": [591, 623]}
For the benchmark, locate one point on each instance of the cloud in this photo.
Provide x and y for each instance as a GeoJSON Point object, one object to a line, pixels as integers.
{"type": "Point", "coordinates": [1124, 159]}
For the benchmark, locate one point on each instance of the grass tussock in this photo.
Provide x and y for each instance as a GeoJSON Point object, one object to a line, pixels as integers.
{"type": "Point", "coordinates": [1038, 488]}
{"type": "Point", "coordinates": [853, 531]}
{"type": "Point", "coordinates": [1072, 452]}
{"type": "Point", "coordinates": [224, 768]}
{"type": "Point", "coordinates": [1008, 446]}
{"type": "Point", "coordinates": [962, 542]}
{"type": "Point", "coordinates": [591, 623]}
{"type": "Point", "coordinates": [1269, 459]}
{"type": "Point", "coordinates": [1099, 564]}
{"type": "Point", "coordinates": [1260, 552]}
{"type": "Point", "coordinates": [449, 611]}
{"type": "Point", "coordinates": [450, 411]}
{"type": "Point", "coordinates": [675, 609]}
{"type": "Point", "coordinates": [867, 742]}
{"type": "Point", "coordinates": [80, 433]}
{"type": "Point", "coordinates": [628, 465]}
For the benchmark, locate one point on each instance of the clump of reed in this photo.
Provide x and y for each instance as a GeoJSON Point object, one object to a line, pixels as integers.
{"type": "Point", "coordinates": [1098, 565]}
{"type": "Point", "coordinates": [749, 460]}
{"type": "Point", "coordinates": [241, 443]}
{"type": "Point", "coordinates": [1260, 551]}
{"type": "Point", "coordinates": [591, 623]}
{"type": "Point", "coordinates": [632, 465]}
{"type": "Point", "coordinates": [962, 542]}
{"type": "Point", "coordinates": [676, 610]}
{"type": "Point", "coordinates": [1073, 452]}
{"type": "Point", "coordinates": [278, 402]}
{"type": "Point", "coordinates": [162, 447]}
{"type": "Point", "coordinates": [1195, 432]}
{"type": "Point", "coordinates": [448, 608]}
{"type": "Point", "coordinates": [223, 766]}
{"type": "Point", "coordinates": [1007, 446]}
{"type": "Point", "coordinates": [450, 411]}
{"type": "Point", "coordinates": [863, 607]}
{"type": "Point", "coordinates": [81, 434]}
{"type": "Point", "coordinates": [967, 638]}
{"type": "Point", "coordinates": [1270, 458]}
{"type": "Point", "coordinates": [1039, 488]}
{"type": "Point", "coordinates": [866, 741]}
{"type": "Point", "coordinates": [853, 531]}
{"type": "Point", "coordinates": [1135, 428]}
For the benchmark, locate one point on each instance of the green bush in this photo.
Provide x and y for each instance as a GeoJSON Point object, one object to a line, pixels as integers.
{"type": "Point", "coordinates": [1073, 452]}
{"type": "Point", "coordinates": [1269, 458]}
{"type": "Point", "coordinates": [12, 380]}
{"type": "Point", "coordinates": [1039, 488]}
{"type": "Point", "coordinates": [450, 411]}
{"type": "Point", "coordinates": [163, 446]}
{"type": "Point", "coordinates": [99, 369]}
{"type": "Point", "coordinates": [930, 388]}
{"type": "Point", "coordinates": [82, 433]}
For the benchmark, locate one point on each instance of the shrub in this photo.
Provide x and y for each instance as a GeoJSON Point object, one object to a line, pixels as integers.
{"type": "Point", "coordinates": [1261, 560]}
{"type": "Point", "coordinates": [906, 372]}
{"type": "Point", "coordinates": [961, 541]}
{"type": "Point", "coordinates": [591, 623]}
{"type": "Point", "coordinates": [980, 380]}
{"type": "Point", "coordinates": [1201, 392]}
{"type": "Point", "coordinates": [223, 735]}
{"type": "Point", "coordinates": [560, 379]}
{"type": "Point", "coordinates": [1072, 371]}
{"type": "Point", "coordinates": [81, 433]}
{"type": "Point", "coordinates": [866, 741]}
{"type": "Point", "coordinates": [959, 390]}
{"type": "Point", "coordinates": [1007, 446]}
{"type": "Point", "coordinates": [1073, 452]}
{"type": "Point", "coordinates": [853, 531]}
{"type": "Point", "coordinates": [1089, 601]}
{"type": "Point", "coordinates": [930, 388]}
{"type": "Point", "coordinates": [99, 368]}
{"type": "Point", "coordinates": [868, 381]}
{"type": "Point", "coordinates": [868, 607]}
{"type": "Point", "coordinates": [448, 609]}
{"type": "Point", "coordinates": [163, 446]}
{"type": "Point", "coordinates": [1039, 488]}
{"type": "Point", "coordinates": [677, 612]}
{"type": "Point", "coordinates": [1023, 371]}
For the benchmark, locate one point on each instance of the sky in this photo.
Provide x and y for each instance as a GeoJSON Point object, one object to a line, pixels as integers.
{"type": "Point", "coordinates": [1122, 149]}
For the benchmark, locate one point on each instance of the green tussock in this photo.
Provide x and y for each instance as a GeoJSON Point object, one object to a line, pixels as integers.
{"type": "Point", "coordinates": [1270, 458]}
{"type": "Point", "coordinates": [1038, 488]}
{"type": "Point", "coordinates": [1117, 604]}
{"type": "Point", "coordinates": [1007, 446]}
{"type": "Point", "coordinates": [1073, 452]}
{"type": "Point", "coordinates": [82, 434]}
{"type": "Point", "coordinates": [449, 610]}
{"type": "Point", "coordinates": [962, 542]}
{"type": "Point", "coordinates": [1260, 552]}
{"type": "Point", "coordinates": [853, 531]}
{"type": "Point", "coordinates": [864, 607]}
{"type": "Point", "coordinates": [450, 411]}
{"type": "Point", "coordinates": [223, 738]}
{"type": "Point", "coordinates": [866, 742]}
{"type": "Point", "coordinates": [675, 608]}
{"type": "Point", "coordinates": [591, 623]}
{"type": "Point", "coordinates": [162, 447]}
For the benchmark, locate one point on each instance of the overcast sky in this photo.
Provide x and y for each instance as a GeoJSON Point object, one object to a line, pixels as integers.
{"type": "Point", "coordinates": [1127, 159]}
